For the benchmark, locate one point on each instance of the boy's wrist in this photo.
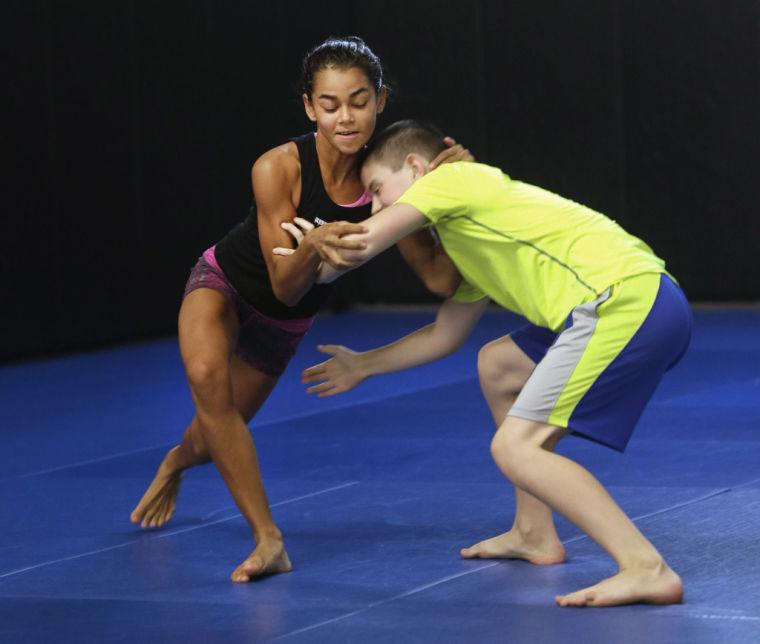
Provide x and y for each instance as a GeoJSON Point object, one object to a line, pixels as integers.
{"type": "Point", "coordinates": [364, 367]}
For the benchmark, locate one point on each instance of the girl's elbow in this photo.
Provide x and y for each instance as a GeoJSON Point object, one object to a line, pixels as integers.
{"type": "Point", "coordinates": [285, 296]}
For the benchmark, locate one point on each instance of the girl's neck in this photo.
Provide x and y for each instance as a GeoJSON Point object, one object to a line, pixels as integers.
{"type": "Point", "coordinates": [336, 168]}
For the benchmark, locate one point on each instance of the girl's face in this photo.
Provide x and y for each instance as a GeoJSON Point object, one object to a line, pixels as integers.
{"type": "Point", "coordinates": [344, 105]}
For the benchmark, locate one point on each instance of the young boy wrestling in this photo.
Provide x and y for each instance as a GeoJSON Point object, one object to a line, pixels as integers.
{"type": "Point", "coordinates": [606, 321]}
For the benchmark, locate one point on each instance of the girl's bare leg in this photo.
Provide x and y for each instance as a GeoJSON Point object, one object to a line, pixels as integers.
{"type": "Point", "coordinates": [207, 333]}
{"type": "Point", "coordinates": [156, 507]}
{"type": "Point", "coordinates": [159, 500]}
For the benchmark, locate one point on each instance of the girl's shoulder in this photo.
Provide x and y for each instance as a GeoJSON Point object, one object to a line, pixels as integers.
{"type": "Point", "coordinates": [281, 163]}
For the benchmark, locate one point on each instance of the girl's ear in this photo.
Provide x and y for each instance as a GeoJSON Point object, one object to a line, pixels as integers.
{"type": "Point", "coordinates": [309, 108]}
{"type": "Point", "coordinates": [382, 96]}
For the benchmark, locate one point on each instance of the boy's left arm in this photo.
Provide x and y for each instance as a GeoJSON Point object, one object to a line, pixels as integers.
{"type": "Point", "coordinates": [346, 368]}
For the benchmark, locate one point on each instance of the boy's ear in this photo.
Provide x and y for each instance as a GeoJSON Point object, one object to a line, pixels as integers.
{"type": "Point", "coordinates": [307, 105]}
{"type": "Point", "coordinates": [417, 163]}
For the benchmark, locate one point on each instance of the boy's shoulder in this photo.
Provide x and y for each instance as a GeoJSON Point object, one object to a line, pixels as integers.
{"type": "Point", "coordinates": [469, 170]}
{"type": "Point", "coordinates": [465, 170]}
{"type": "Point", "coordinates": [466, 179]}
{"type": "Point", "coordinates": [449, 189]}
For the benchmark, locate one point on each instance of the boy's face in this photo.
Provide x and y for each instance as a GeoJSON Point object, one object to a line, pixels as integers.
{"type": "Point", "coordinates": [384, 185]}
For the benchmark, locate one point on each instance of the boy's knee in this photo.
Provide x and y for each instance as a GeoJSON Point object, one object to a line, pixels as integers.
{"type": "Point", "coordinates": [488, 359]}
{"type": "Point", "coordinates": [517, 441]}
{"type": "Point", "coordinates": [499, 448]}
{"type": "Point", "coordinates": [497, 372]}
{"type": "Point", "coordinates": [506, 449]}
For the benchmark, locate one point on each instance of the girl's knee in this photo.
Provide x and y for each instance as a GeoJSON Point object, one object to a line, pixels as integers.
{"type": "Point", "coordinates": [207, 378]}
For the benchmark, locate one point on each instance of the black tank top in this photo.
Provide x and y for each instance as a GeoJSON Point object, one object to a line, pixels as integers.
{"type": "Point", "coordinates": [239, 253]}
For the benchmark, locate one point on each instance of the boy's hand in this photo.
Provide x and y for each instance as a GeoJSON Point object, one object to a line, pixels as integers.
{"type": "Point", "coordinates": [327, 240]}
{"type": "Point", "coordinates": [454, 152]}
{"type": "Point", "coordinates": [338, 374]}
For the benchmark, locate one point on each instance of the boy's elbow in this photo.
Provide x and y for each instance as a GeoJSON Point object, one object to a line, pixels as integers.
{"type": "Point", "coordinates": [447, 344]}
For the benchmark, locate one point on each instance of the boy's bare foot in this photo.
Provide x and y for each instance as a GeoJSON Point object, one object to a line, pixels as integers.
{"type": "Point", "coordinates": [658, 585]}
{"type": "Point", "coordinates": [157, 504]}
{"type": "Point", "coordinates": [269, 558]}
{"type": "Point", "coordinates": [541, 551]}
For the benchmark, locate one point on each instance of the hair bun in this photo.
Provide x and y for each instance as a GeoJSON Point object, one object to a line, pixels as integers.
{"type": "Point", "coordinates": [342, 52]}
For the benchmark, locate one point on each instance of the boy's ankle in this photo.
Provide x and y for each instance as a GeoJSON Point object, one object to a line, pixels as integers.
{"type": "Point", "coordinates": [532, 532]}
{"type": "Point", "coordinates": [644, 562]}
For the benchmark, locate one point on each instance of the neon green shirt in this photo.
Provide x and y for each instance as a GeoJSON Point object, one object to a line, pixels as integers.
{"type": "Point", "coordinates": [526, 248]}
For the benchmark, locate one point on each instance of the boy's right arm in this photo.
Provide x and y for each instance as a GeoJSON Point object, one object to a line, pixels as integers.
{"type": "Point", "coordinates": [346, 368]}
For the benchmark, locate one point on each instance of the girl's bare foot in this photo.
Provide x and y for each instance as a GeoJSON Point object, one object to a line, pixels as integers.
{"type": "Point", "coordinates": [269, 558]}
{"type": "Point", "coordinates": [540, 550]}
{"type": "Point", "coordinates": [157, 504]}
{"type": "Point", "coordinates": [642, 585]}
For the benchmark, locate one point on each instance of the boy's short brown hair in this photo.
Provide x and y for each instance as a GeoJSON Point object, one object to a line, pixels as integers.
{"type": "Point", "coordinates": [402, 138]}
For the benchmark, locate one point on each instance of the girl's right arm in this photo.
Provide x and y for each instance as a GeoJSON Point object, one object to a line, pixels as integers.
{"type": "Point", "coordinates": [276, 179]}
{"type": "Point", "coordinates": [347, 368]}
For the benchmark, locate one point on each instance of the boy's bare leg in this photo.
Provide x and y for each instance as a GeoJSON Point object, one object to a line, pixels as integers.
{"type": "Point", "coordinates": [207, 332]}
{"type": "Point", "coordinates": [503, 370]}
{"type": "Point", "coordinates": [518, 449]}
{"type": "Point", "coordinates": [532, 536]}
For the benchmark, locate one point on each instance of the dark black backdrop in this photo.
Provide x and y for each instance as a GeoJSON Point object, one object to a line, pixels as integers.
{"type": "Point", "coordinates": [130, 128]}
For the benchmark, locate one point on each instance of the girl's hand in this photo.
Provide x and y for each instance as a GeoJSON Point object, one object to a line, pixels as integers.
{"type": "Point", "coordinates": [454, 152]}
{"type": "Point", "coordinates": [327, 240]}
{"type": "Point", "coordinates": [338, 374]}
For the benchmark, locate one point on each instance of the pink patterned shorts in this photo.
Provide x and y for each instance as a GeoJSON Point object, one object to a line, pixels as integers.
{"type": "Point", "coordinates": [263, 342]}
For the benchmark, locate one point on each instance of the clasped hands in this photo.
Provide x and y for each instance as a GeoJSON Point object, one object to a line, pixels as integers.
{"type": "Point", "coordinates": [328, 240]}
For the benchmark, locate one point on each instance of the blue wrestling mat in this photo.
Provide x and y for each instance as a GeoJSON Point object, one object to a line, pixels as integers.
{"type": "Point", "coordinates": [375, 492]}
